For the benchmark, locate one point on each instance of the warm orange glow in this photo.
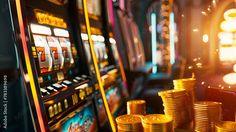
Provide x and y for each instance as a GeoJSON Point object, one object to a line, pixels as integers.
{"type": "Point", "coordinates": [226, 38]}
{"type": "Point", "coordinates": [195, 30]}
{"type": "Point", "coordinates": [228, 25]}
{"type": "Point", "coordinates": [234, 67]}
{"type": "Point", "coordinates": [204, 13]}
{"type": "Point", "coordinates": [230, 78]}
{"type": "Point", "coordinates": [49, 19]}
{"type": "Point", "coordinates": [205, 38]}
{"type": "Point", "coordinates": [228, 53]}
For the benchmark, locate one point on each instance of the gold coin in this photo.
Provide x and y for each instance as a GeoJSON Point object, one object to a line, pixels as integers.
{"type": "Point", "coordinates": [136, 107]}
{"type": "Point", "coordinates": [129, 119]}
{"type": "Point", "coordinates": [156, 119]}
{"type": "Point", "coordinates": [129, 123]}
{"type": "Point", "coordinates": [136, 102]}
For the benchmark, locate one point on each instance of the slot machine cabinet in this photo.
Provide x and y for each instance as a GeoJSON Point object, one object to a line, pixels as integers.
{"type": "Point", "coordinates": [56, 80]}
{"type": "Point", "coordinates": [106, 55]}
{"type": "Point", "coordinates": [103, 49]}
{"type": "Point", "coordinates": [109, 24]}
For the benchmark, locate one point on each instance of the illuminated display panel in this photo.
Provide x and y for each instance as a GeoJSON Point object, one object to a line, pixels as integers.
{"type": "Point", "coordinates": [89, 57]}
{"type": "Point", "coordinates": [227, 38]}
{"type": "Point", "coordinates": [115, 52]}
{"type": "Point", "coordinates": [227, 53]}
{"type": "Point", "coordinates": [60, 32]}
{"type": "Point", "coordinates": [43, 53]}
{"type": "Point", "coordinates": [113, 47]}
{"type": "Point", "coordinates": [101, 54]}
{"type": "Point", "coordinates": [39, 29]}
{"type": "Point", "coordinates": [114, 99]}
{"type": "Point", "coordinates": [66, 51]}
{"type": "Point", "coordinates": [55, 56]}
{"type": "Point", "coordinates": [49, 19]}
{"type": "Point", "coordinates": [100, 50]}
{"type": "Point", "coordinates": [56, 52]}
{"type": "Point", "coordinates": [83, 121]}
{"type": "Point", "coordinates": [227, 46]}
{"type": "Point", "coordinates": [94, 10]}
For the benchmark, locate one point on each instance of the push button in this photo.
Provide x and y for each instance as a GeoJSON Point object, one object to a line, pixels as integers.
{"type": "Point", "coordinates": [67, 83]}
{"type": "Point", "coordinates": [44, 92]}
{"type": "Point", "coordinates": [85, 76]}
{"type": "Point", "coordinates": [79, 78]}
{"type": "Point", "coordinates": [57, 86]}
{"type": "Point", "coordinates": [75, 80]}
{"type": "Point", "coordinates": [51, 89]}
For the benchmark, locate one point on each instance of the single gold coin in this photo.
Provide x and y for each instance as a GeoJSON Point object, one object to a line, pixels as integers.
{"type": "Point", "coordinates": [136, 102]}
{"type": "Point", "coordinates": [129, 119]}
{"type": "Point", "coordinates": [156, 119]}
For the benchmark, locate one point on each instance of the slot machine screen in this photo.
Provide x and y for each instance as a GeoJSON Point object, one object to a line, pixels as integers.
{"type": "Point", "coordinates": [101, 54]}
{"type": "Point", "coordinates": [83, 121]}
{"type": "Point", "coordinates": [89, 57]}
{"type": "Point", "coordinates": [113, 96]}
{"type": "Point", "coordinates": [99, 49]}
{"type": "Point", "coordinates": [54, 54]}
{"type": "Point", "coordinates": [114, 48]}
{"type": "Point", "coordinates": [66, 51]}
{"type": "Point", "coordinates": [43, 53]}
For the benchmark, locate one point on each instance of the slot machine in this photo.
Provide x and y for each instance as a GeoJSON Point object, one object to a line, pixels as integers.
{"type": "Point", "coordinates": [106, 54]}
{"type": "Point", "coordinates": [109, 23]}
{"type": "Point", "coordinates": [57, 81]}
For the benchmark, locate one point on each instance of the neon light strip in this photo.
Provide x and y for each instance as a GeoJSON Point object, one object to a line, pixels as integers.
{"type": "Point", "coordinates": [110, 117]}
{"type": "Point", "coordinates": [122, 4]}
{"type": "Point", "coordinates": [154, 42]}
{"type": "Point", "coordinates": [122, 71]}
{"type": "Point", "coordinates": [28, 66]}
{"type": "Point", "coordinates": [111, 12]}
{"type": "Point", "coordinates": [172, 38]}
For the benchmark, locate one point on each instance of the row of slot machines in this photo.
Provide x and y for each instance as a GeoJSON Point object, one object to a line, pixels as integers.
{"type": "Point", "coordinates": [56, 72]}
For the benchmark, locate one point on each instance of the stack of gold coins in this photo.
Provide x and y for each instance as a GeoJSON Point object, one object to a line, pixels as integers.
{"type": "Point", "coordinates": [188, 84]}
{"type": "Point", "coordinates": [136, 107]}
{"type": "Point", "coordinates": [157, 123]}
{"type": "Point", "coordinates": [207, 113]}
{"type": "Point", "coordinates": [176, 105]}
{"type": "Point", "coordinates": [225, 126]}
{"type": "Point", "coordinates": [129, 123]}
